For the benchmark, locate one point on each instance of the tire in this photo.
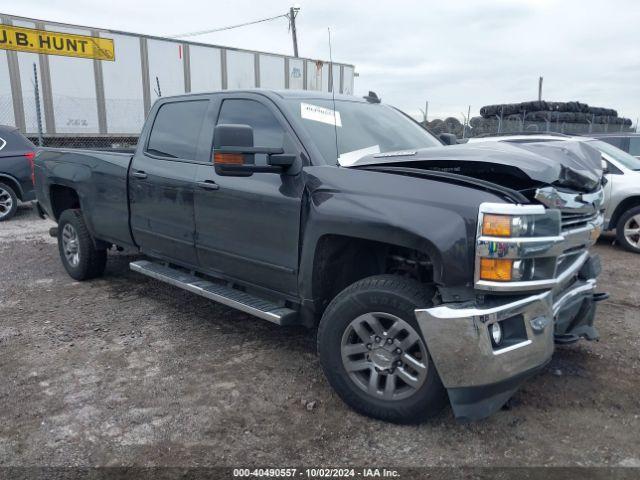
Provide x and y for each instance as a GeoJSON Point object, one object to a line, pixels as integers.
{"type": "Point", "coordinates": [8, 202]}
{"type": "Point", "coordinates": [390, 298]}
{"type": "Point", "coordinates": [629, 221]}
{"type": "Point", "coordinates": [79, 255]}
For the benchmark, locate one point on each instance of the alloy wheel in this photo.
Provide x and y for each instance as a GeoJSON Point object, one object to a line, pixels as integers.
{"type": "Point", "coordinates": [384, 356]}
{"type": "Point", "coordinates": [632, 231]}
{"type": "Point", "coordinates": [70, 245]}
{"type": "Point", "coordinates": [6, 202]}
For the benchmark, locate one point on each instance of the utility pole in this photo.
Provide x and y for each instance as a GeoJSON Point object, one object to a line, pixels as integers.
{"type": "Point", "coordinates": [293, 11]}
{"type": "Point", "coordinates": [539, 88]}
{"type": "Point", "coordinates": [36, 92]}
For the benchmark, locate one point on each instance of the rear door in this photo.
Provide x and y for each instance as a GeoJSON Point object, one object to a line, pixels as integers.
{"type": "Point", "coordinates": [248, 227]}
{"type": "Point", "coordinates": [161, 181]}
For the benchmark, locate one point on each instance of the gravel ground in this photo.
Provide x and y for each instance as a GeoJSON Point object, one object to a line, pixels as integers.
{"type": "Point", "coordinates": [127, 371]}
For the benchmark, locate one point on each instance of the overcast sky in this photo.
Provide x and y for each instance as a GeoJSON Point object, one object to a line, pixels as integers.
{"type": "Point", "coordinates": [453, 54]}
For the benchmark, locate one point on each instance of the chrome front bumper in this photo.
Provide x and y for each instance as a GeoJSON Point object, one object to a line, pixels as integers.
{"type": "Point", "coordinates": [458, 340]}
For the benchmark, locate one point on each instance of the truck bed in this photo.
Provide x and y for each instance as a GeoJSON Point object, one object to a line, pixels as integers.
{"type": "Point", "coordinates": [100, 179]}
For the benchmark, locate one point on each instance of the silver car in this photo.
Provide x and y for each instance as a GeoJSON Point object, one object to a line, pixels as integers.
{"type": "Point", "coordinates": [622, 191]}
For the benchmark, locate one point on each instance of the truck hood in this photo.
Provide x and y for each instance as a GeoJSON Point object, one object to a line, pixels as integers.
{"type": "Point", "coordinates": [572, 165]}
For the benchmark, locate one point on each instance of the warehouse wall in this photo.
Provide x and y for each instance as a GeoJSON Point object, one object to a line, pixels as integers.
{"type": "Point", "coordinates": [123, 86]}
{"type": "Point", "coordinates": [87, 97]}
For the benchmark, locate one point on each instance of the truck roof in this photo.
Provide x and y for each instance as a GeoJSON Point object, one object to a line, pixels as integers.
{"type": "Point", "coordinates": [297, 94]}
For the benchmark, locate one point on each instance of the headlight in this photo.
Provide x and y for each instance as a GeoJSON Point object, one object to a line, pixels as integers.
{"type": "Point", "coordinates": [547, 224]}
{"type": "Point", "coordinates": [512, 243]}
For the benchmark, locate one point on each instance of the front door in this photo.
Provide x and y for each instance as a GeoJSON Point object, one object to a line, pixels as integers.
{"type": "Point", "coordinates": [248, 227]}
{"type": "Point", "coordinates": [161, 181]}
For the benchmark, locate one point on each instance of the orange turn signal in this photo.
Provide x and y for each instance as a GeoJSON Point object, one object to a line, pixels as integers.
{"type": "Point", "coordinates": [496, 225]}
{"type": "Point", "coordinates": [498, 269]}
{"type": "Point", "coordinates": [228, 158]}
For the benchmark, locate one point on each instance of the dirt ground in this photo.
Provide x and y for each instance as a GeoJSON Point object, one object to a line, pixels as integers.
{"type": "Point", "coordinates": [125, 370]}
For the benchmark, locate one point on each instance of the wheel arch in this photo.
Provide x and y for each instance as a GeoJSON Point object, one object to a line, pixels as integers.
{"type": "Point", "coordinates": [13, 183]}
{"type": "Point", "coordinates": [338, 260]}
{"type": "Point", "coordinates": [63, 197]}
{"type": "Point", "coordinates": [625, 205]}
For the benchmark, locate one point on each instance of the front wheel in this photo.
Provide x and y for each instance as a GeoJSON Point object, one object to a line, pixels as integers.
{"type": "Point", "coordinates": [79, 255]}
{"type": "Point", "coordinates": [373, 353]}
{"type": "Point", "coordinates": [628, 230]}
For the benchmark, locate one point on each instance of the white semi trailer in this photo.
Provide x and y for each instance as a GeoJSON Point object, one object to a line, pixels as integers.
{"type": "Point", "coordinates": [108, 96]}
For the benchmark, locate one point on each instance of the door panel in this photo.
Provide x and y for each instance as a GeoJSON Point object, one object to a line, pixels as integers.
{"type": "Point", "coordinates": [161, 181]}
{"type": "Point", "coordinates": [248, 228]}
{"type": "Point", "coordinates": [162, 216]}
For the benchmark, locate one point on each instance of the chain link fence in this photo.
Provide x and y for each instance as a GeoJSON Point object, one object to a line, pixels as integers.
{"type": "Point", "coordinates": [76, 120]}
{"type": "Point", "coordinates": [96, 142]}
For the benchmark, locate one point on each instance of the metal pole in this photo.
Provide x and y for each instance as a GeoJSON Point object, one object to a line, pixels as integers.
{"type": "Point", "coordinates": [539, 88]}
{"type": "Point", "coordinates": [292, 21]}
{"type": "Point", "coordinates": [426, 111]}
{"type": "Point", "coordinates": [38, 113]}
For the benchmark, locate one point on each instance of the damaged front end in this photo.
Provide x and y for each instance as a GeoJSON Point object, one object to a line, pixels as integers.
{"type": "Point", "coordinates": [535, 282]}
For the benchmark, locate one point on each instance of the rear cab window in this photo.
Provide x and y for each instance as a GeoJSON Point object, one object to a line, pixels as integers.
{"type": "Point", "coordinates": [176, 129]}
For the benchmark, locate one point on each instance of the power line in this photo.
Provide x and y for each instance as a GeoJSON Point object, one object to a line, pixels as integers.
{"type": "Point", "coordinates": [203, 32]}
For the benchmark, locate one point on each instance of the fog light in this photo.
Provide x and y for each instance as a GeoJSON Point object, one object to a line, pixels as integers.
{"type": "Point", "coordinates": [496, 333]}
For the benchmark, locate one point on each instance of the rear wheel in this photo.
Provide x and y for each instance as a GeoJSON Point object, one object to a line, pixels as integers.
{"type": "Point", "coordinates": [373, 353]}
{"type": "Point", "coordinates": [79, 255]}
{"type": "Point", "coordinates": [628, 230]}
{"type": "Point", "coordinates": [8, 202]}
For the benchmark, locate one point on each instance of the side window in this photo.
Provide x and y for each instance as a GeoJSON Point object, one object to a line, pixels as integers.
{"type": "Point", "coordinates": [634, 146]}
{"type": "Point", "coordinates": [267, 131]}
{"type": "Point", "coordinates": [176, 129]}
{"type": "Point", "coordinates": [611, 168]}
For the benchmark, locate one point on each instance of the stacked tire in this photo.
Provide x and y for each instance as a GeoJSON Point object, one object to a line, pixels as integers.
{"type": "Point", "coordinates": [537, 115]}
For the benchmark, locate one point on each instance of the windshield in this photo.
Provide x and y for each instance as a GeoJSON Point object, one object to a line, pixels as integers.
{"type": "Point", "coordinates": [621, 156]}
{"type": "Point", "coordinates": [362, 129]}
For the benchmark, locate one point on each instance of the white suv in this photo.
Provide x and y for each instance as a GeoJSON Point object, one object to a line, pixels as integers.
{"type": "Point", "coordinates": [622, 191]}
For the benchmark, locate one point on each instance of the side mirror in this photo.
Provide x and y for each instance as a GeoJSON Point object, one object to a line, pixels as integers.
{"type": "Point", "coordinates": [448, 138]}
{"type": "Point", "coordinates": [605, 167]}
{"type": "Point", "coordinates": [234, 153]}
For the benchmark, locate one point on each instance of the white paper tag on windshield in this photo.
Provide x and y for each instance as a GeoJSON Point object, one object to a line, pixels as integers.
{"type": "Point", "coordinates": [320, 114]}
{"type": "Point", "coordinates": [349, 158]}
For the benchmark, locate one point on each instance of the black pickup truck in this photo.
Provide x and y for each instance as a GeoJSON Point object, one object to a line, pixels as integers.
{"type": "Point", "coordinates": [433, 273]}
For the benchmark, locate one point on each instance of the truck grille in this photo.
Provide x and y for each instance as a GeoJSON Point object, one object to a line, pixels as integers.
{"type": "Point", "coordinates": [572, 220]}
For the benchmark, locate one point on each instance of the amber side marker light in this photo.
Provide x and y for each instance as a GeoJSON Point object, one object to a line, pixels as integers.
{"type": "Point", "coordinates": [228, 158]}
{"type": "Point", "coordinates": [497, 269]}
{"type": "Point", "coordinates": [496, 225]}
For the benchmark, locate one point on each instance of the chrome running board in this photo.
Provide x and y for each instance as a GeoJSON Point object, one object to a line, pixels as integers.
{"type": "Point", "coordinates": [217, 292]}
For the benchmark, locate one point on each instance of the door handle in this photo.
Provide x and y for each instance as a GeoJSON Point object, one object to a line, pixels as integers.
{"type": "Point", "coordinates": [208, 185]}
{"type": "Point", "coordinates": [139, 174]}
